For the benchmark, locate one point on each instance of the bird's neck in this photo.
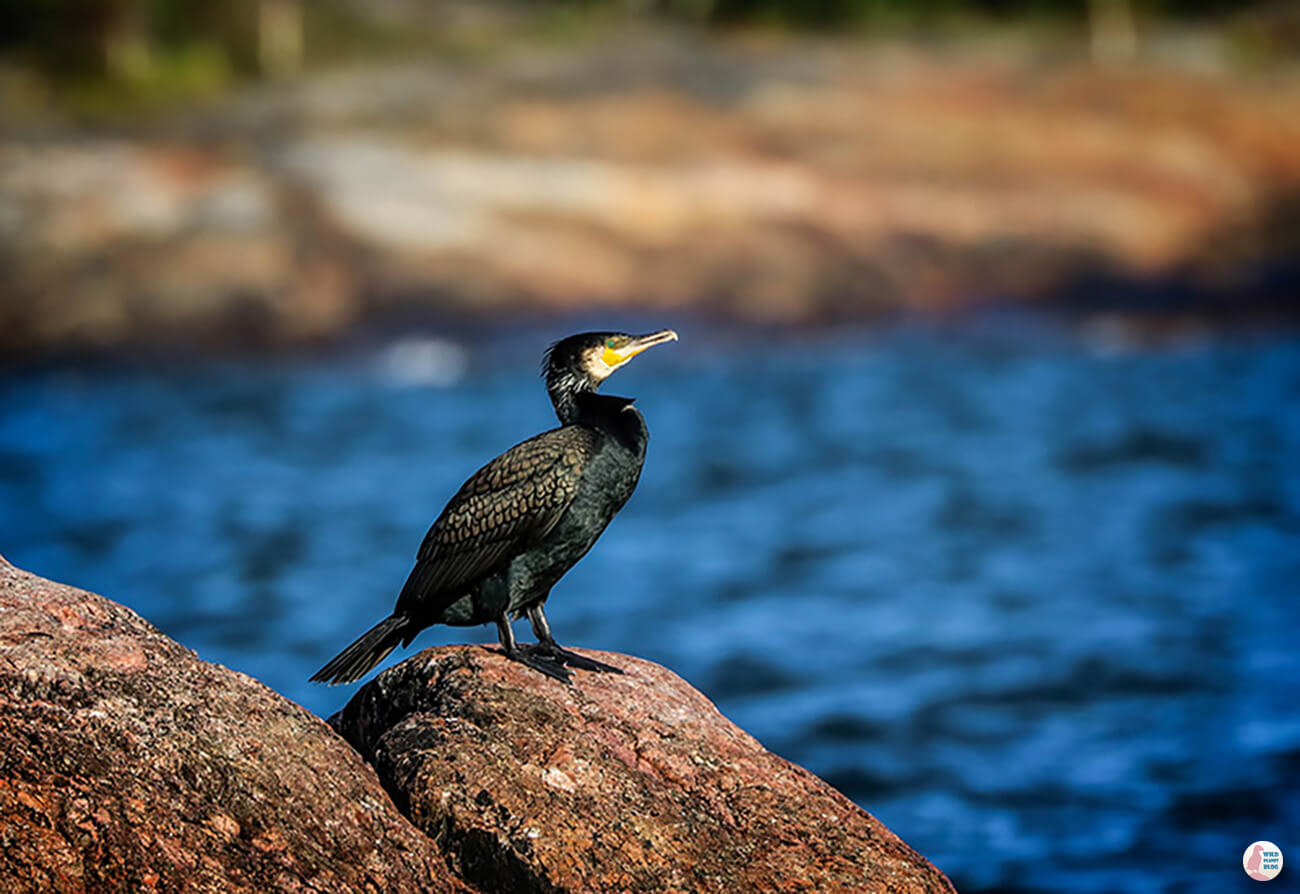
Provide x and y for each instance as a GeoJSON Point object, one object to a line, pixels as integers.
{"type": "Point", "coordinates": [581, 404]}
{"type": "Point", "coordinates": [569, 391]}
{"type": "Point", "coordinates": [616, 416]}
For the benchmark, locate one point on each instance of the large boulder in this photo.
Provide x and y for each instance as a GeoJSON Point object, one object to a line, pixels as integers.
{"type": "Point", "coordinates": [618, 783]}
{"type": "Point", "coordinates": [127, 764]}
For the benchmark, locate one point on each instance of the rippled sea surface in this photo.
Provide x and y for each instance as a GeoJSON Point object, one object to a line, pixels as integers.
{"type": "Point", "coordinates": [1030, 600]}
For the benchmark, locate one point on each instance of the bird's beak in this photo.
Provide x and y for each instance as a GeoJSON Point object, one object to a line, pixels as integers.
{"type": "Point", "coordinates": [639, 343]}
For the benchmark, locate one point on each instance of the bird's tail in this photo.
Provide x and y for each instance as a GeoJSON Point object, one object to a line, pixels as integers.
{"type": "Point", "coordinates": [371, 647]}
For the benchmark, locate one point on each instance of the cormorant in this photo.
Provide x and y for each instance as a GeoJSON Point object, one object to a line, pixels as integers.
{"type": "Point", "coordinates": [523, 520]}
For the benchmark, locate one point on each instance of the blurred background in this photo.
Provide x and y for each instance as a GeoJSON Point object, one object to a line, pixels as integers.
{"type": "Point", "coordinates": [974, 481]}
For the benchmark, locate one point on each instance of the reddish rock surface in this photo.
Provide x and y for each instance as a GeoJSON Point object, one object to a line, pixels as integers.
{"type": "Point", "coordinates": [127, 764]}
{"type": "Point", "coordinates": [619, 783]}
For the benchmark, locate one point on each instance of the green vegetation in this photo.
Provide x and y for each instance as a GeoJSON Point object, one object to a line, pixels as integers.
{"type": "Point", "coordinates": [95, 54]}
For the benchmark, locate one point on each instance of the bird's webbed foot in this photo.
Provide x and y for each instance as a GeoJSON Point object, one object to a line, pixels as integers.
{"type": "Point", "coordinates": [546, 645]}
{"type": "Point", "coordinates": [558, 653]}
{"type": "Point", "coordinates": [542, 663]}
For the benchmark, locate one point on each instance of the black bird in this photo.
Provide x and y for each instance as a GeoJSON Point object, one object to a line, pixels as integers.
{"type": "Point", "coordinates": [523, 520]}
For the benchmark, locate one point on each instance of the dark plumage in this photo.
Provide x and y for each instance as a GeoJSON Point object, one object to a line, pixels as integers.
{"type": "Point", "coordinates": [523, 520]}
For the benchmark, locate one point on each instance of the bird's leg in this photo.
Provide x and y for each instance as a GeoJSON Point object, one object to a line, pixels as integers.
{"type": "Point", "coordinates": [541, 663]}
{"type": "Point", "coordinates": [547, 645]}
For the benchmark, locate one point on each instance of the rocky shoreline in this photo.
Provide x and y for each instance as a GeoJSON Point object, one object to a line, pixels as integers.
{"type": "Point", "coordinates": [128, 764]}
{"type": "Point", "coordinates": [787, 184]}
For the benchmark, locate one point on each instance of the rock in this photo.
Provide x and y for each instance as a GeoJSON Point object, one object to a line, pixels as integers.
{"type": "Point", "coordinates": [127, 764]}
{"type": "Point", "coordinates": [619, 783]}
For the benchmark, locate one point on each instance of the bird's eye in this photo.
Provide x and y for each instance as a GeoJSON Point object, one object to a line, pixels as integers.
{"type": "Point", "coordinates": [610, 342]}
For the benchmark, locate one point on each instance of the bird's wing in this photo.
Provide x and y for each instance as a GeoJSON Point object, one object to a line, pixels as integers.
{"type": "Point", "coordinates": [504, 508]}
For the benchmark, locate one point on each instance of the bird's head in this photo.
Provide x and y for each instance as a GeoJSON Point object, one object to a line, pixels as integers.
{"type": "Point", "coordinates": [581, 362]}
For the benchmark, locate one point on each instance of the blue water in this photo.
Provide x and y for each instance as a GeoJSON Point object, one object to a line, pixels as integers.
{"type": "Point", "coordinates": [1029, 599]}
